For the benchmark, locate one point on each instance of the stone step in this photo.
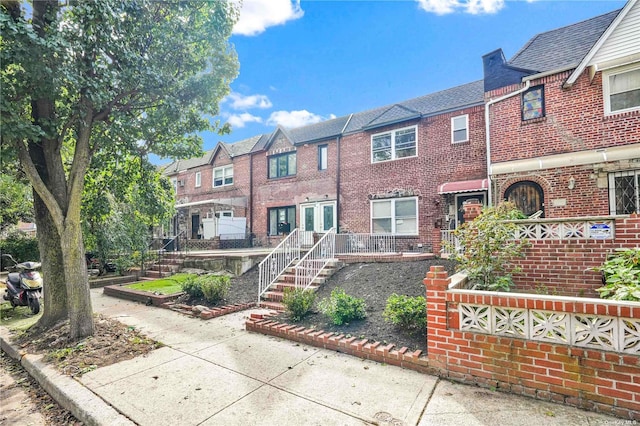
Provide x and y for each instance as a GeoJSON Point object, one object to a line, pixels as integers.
{"type": "Point", "coordinates": [158, 274]}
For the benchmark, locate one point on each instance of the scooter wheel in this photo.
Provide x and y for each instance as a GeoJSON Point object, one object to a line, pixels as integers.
{"type": "Point", "coordinates": [34, 305]}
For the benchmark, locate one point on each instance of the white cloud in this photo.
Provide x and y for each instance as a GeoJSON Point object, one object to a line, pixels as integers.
{"type": "Point", "coordinates": [240, 120]}
{"type": "Point", "coordinates": [258, 15]}
{"type": "Point", "coordinates": [242, 102]}
{"type": "Point", "coordinates": [293, 119]}
{"type": "Point", "coordinates": [474, 7]}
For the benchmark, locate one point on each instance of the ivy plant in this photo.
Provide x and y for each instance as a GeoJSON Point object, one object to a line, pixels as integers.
{"type": "Point", "coordinates": [621, 276]}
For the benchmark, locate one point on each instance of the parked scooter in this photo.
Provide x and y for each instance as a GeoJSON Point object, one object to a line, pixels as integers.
{"type": "Point", "coordinates": [24, 284]}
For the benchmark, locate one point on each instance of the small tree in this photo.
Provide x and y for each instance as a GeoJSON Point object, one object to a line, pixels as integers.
{"type": "Point", "coordinates": [489, 245]}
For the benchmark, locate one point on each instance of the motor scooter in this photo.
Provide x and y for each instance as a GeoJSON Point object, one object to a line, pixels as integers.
{"type": "Point", "coordinates": [24, 284]}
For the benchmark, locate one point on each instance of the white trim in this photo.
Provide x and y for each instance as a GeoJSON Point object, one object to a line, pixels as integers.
{"type": "Point", "coordinates": [393, 215]}
{"type": "Point", "coordinates": [224, 176]}
{"type": "Point", "coordinates": [587, 58]}
{"type": "Point", "coordinates": [466, 128]}
{"type": "Point", "coordinates": [198, 179]}
{"type": "Point", "coordinates": [318, 217]}
{"type": "Point", "coordinates": [606, 91]}
{"type": "Point", "coordinates": [393, 144]}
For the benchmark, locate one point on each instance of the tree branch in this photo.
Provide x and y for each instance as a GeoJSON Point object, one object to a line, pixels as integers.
{"type": "Point", "coordinates": [40, 187]}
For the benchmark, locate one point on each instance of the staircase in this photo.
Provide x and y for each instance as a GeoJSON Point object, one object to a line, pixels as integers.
{"type": "Point", "coordinates": [168, 264]}
{"type": "Point", "coordinates": [272, 298]}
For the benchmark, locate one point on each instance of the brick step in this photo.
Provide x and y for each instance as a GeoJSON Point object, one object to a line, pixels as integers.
{"type": "Point", "coordinates": [276, 306]}
{"type": "Point", "coordinates": [280, 286]}
{"type": "Point", "coordinates": [164, 267]}
{"type": "Point", "coordinates": [273, 296]}
{"type": "Point", "coordinates": [157, 274]}
{"type": "Point", "coordinates": [291, 279]}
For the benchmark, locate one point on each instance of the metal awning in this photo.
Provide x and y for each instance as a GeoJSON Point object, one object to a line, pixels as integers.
{"type": "Point", "coordinates": [463, 186]}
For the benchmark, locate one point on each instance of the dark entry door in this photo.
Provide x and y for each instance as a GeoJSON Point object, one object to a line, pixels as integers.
{"type": "Point", "coordinates": [527, 196]}
{"type": "Point", "coordinates": [195, 226]}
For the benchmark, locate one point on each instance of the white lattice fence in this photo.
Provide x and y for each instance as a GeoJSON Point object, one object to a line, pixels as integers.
{"type": "Point", "coordinates": [582, 330]}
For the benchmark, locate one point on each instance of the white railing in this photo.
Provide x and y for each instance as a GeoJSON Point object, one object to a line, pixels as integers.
{"type": "Point", "coordinates": [575, 329]}
{"type": "Point", "coordinates": [347, 244]}
{"type": "Point", "coordinates": [310, 266]}
{"type": "Point", "coordinates": [449, 244]}
{"type": "Point", "coordinates": [600, 227]}
{"type": "Point", "coordinates": [278, 261]}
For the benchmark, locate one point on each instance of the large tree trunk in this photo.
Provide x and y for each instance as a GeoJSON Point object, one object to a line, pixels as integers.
{"type": "Point", "coordinates": [55, 293]}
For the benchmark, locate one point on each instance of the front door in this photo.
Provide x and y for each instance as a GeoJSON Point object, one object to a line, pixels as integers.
{"type": "Point", "coordinates": [318, 217]}
{"type": "Point", "coordinates": [195, 226]}
{"type": "Point", "coordinates": [527, 196]}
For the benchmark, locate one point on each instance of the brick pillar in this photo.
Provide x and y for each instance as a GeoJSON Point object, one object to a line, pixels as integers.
{"type": "Point", "coordinates": [472, 209]}
{"type": "Point", "coordinates": [436, 283]}
{"type": "Point", "coordinates": [436, 238]}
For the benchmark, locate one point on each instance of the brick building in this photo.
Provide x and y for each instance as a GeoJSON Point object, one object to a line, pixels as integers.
{"type": "Point", "coordinates": [564, 119]}
{"type": "Point", "coordinates": [555, 129]}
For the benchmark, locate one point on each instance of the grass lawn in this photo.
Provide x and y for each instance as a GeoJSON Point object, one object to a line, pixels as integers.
{"type": "Point", "coordinates": [169, 285]}
{"type": "Point", "coordinates": [18, 318]}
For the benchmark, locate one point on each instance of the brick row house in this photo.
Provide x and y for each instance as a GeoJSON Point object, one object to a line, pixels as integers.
{"type": "Point", "coordinates": [560, 122]}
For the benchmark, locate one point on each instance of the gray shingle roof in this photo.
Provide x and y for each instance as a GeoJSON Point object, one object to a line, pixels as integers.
{"type": "Point", "coordinates": [395, 114]}
{"type": "Point", "coordinates": [563, 47]}
{"type": "Point", "coordinates": [435, 103]}
{"type": "Point", "coordinates": [318, 131]}
{"type": "Point", "coordinates": [234, 149]}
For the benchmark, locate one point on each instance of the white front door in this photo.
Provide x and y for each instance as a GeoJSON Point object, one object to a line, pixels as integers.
{"type": "Point", "coordinates": [318, 217]}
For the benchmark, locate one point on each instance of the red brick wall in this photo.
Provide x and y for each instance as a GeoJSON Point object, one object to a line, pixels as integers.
{"type": "Point", "coordinates": [438, 161]}
{"type": "Point", "coordinates": [309, 182]}
{"type": "Point", "coordinates": [574, 121]}
{"type": "Point", "coordinates": [565, 267]}
{"type": "Point", "coordinates": [587, 378]}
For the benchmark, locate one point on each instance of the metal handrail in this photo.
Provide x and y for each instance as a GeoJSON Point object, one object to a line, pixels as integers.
{"type": "Point", "coordinates": [312, 263]}
{"type": "Point", "coordinates": [278, 261]}
{"type": "Point", "coordinates": [352, 243]}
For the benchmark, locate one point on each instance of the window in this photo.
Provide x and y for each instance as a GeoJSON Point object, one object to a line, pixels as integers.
{"type": "Point", "coordinates": [174, 183]}
{"type": "Point", "coordinates": [282, 165]}
{"type": "Point", "coordinates": [622, 90]}
{"type": "Point", "coordinates": [223, 176]}
{"type": "Point", "coordinates": [624, 192]}
{"type": "Point", "coordinates": [460, 129]}
{"type": "Point", "coordinates": [393, 145]}
{"type": "Point", "coordinates": [224, 213]}
{"type": "Point", "coordinates": [533, 103]}
{"type": "Point", "coordinates": [198, 179]}
{"type": "Point", "coordinates": [323, 152]}
{"type": "Point", "coordinates": [395, 216]}
{"type": "Point", "coordinates": [286, 215]}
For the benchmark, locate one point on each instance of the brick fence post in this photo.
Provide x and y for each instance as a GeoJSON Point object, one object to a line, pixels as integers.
{"type": "Point", "coordinates": [436, 283]}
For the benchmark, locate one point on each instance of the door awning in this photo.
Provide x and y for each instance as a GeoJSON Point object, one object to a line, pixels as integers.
{"type": "Point", "coordinates": [463, 186]}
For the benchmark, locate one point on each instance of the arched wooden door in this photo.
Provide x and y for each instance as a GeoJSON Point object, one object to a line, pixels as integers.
{"type": "Point", "coordinates": [527, 196]}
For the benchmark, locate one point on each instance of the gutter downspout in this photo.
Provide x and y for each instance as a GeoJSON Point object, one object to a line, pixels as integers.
{"type": "Point", "coordinates": [338, 168]}
{"type": "Point", "coordinates": [488, 132]}
{"type": "Point", "coordinates": [250, 193]}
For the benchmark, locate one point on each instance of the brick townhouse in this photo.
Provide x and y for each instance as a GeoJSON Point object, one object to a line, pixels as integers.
{"type": "Point", "coordinates": [560, 122]}
{"type": "Point", "coordinates": [564, 118]}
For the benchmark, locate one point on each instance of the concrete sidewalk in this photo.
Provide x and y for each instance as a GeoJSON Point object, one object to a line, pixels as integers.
{"type": "Point", "coordinates": [214, 372]}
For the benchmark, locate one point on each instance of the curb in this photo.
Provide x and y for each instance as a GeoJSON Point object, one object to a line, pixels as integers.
{"type": "Point", "coordinates": [85, 405]}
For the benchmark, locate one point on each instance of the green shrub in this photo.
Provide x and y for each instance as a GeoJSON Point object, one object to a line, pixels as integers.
{"type": "Point", "coordinates": [621, 274]}
{"type": "Point", "coordinates": [406, 311]}
{"type": "Point", "coordinates": [215, 287]}
{"type": "Point", "coordinates": [22, 247]}
{"type": "Point", "coordinates": [192, 287]}
{"type": "Point", "coordinates": [298, 302]}
{"type": "Point", "coordinates": [342, 308]}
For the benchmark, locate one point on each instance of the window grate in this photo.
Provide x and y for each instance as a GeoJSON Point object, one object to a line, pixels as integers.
{"type": "Point", "coordinates": [624, 192]}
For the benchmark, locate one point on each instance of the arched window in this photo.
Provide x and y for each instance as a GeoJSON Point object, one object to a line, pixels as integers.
{"type": "Point", "coordinates": [527, 196]}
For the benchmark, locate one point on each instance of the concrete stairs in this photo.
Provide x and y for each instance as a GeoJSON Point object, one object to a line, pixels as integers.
{"type": "Point", "coordinates": [272, 298]}
{"type": "Point", "coordinates": [169, 265]}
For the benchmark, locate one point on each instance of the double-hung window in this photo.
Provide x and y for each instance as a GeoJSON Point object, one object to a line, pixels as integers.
{"type": "Point", "coordinates": [198, 179]}
{"type": "Point", "coordinates": [282, 165]}
{"type": "Point", "coordinates": [223, 176]}
{"type": "Point", "coordinates": [460, 128]}
{"type": "Point", "coordinates": [397, 216]}
{"type": "Point", "coordinates": [624, 192]}
{"type": "Point", "coordinates": [621, 89]}
{"type": "Point", "coordinates": [394, 145]}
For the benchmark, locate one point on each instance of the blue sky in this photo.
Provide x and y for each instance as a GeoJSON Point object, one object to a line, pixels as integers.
{"type": "Point", "coordinates": [307, 61]}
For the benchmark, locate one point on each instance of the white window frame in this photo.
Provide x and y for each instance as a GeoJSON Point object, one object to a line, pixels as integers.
{"type": "Point", "coordinates": [393, 215]}
{"type": "Point", "coordinates": [198, 179]}
{"type": "Point", "coordinates": [606, 89]}
{"type": "Point", "coordinates": [393, 144]}
{"type": "Point", "coordinates": [174, 183]}
{"type": "Point", "coordinates": [466, 128]}
{"type": "Point", "coordinates": [225, 176]}
{"type": "Point", "coordinates": [223, 213]}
